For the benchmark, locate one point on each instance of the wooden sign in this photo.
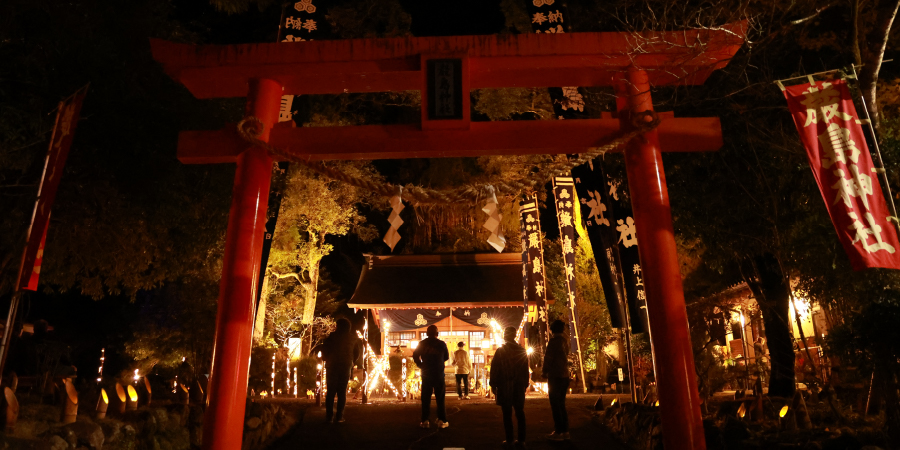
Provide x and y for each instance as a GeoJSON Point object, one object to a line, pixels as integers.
{"type": "Point", "coordinates": [445, 92]}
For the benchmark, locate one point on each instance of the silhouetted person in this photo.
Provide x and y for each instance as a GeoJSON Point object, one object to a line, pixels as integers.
{"type": "Point", "coordinates": [509, 380]}
{"type": "Point", "coordinates": [430, 356]}
{"type": "Point", "coordinates": [556, 371]}
{"type": "Point", "coordinates": [461, 361]}
{"type": "Point", "coordinates": [395, 361]}
{"type": "Point", "coordinates": [339, 351]}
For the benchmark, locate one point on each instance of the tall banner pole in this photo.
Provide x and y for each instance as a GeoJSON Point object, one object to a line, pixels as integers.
{"type": "Point", "coordinates": [566, 199]}
{"type": "Point", "coordinates": [67, 114]}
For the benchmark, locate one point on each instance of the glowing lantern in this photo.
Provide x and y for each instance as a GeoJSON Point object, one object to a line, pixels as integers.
{"type": "Point", "coordinates": [70, 405]}
{"type": "Point", "coordinates": [102, 404]}
{"type": "Point", "coordinates": [148, 389]}
{"type": "Point", "coordinates": [132, 400]}
{"type": "Point", "coordinates": [120, 399]}
{"type": "Point", "coordinates": [12, 408]}
{"type": "Point", "coordinates": [183, 394]}
{"type": "Point", "coordinates": [784, 411]}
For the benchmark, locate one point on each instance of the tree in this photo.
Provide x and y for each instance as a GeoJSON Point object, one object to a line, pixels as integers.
{"type": "Point", "coordinates": [312, 209]}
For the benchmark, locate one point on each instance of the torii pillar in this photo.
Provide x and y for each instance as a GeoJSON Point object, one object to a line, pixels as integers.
{"type": "Point", "coordinates": [673, 356]}
{"type": "Point", "coordinates": [630, 62]}
{"type": "Point", "coordinates": [223, 423]}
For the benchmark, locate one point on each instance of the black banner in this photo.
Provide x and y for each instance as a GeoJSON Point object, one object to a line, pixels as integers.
{"type": "Point", "coordinates": [276, 189]}
{"type": "Point", "coordinates": [547, 16]}
{"type": "Point", "coordinates": [566, 199]}
{"type": "Point", "coordinates": [305, 21]}
{"type": "Point", "coordinates": [596, 211]}
{"type": "Point", "coordinates": [537, 283]}
{"type": "Point", "coordinates": [630, 258]}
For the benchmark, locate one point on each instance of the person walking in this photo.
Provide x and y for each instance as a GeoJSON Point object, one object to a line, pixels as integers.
{"type": "Point", "coordinates": [509, 380]}
{"type": "Point", "coordinates": [340, 351]}
{"type": "Point", "coordinates": [430, 356]}
{"type": "Point", "coordinates": [556, 372]}
{"type": "Point", "coordinates": [461, 361]}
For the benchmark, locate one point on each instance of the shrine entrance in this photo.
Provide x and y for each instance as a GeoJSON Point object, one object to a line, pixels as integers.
{"type": "Point", "coordinates": [445, 70]}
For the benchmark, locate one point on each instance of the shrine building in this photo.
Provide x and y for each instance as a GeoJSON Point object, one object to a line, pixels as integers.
{"type": "Point", "coordinates": [462, 294]}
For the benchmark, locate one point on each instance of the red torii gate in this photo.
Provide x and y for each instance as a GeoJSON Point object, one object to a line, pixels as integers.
{"type": "Point", "coordinates": [631, 62]}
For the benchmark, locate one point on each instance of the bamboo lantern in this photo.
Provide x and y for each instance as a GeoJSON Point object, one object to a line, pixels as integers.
{"type": "Point", "coordinates": [10, 409]}
{"type": "Point", "coordinates": [197, 392]}
{"type": "Point", "coordinates": [183, 394]}
{"type": "Point", "coordinates": [121, 399]}
{"type": "Point", "coordinates": [70, 402]}
{"type": "Point", "coordinates": [148, 391]}
{"type": "Point", "coordinates": [801, 415]}
{"type": "Point", "coordinates": [102, 404]}
{"type": "Point", "coordinates": [131, 403]}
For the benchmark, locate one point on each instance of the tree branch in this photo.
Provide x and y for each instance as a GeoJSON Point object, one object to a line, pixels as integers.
{"type": "Point", "coordinates": [287, 275]}
{"type": "Point", "coordinates": [813, 15]}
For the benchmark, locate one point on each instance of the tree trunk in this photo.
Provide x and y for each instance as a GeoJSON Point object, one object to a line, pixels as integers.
{"type": "Point", "coordinates": [260, 323]}
{"type": "Point", "coordinates": [876, 43]}
{"type": "Point", "coordinates": [765, 279]}
{"type": "Point", "coordinates": [891, 401]}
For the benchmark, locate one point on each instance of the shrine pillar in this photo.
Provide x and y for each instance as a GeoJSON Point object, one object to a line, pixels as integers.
{"type": "Point", "coordinates": [223, 423]}
{"type": "Point", "coordinates": [682, 424]}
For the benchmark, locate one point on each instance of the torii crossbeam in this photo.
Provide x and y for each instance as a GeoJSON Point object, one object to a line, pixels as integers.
{"type": "Point", "coordinates": [446, 69]}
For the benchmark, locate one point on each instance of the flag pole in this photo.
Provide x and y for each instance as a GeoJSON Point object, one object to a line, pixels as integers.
{"type": "Point", "coordinates": [880, 170]}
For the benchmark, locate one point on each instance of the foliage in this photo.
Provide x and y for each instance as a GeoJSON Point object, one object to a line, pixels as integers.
{"type": "Point", "coordinates": [120, 174]}
{"type": "Point", "coordinates": [369, 18]}
{"type": "Point", "coordinates": [313, 208]}
{"type": "Point", "coordinates": [175, 322]}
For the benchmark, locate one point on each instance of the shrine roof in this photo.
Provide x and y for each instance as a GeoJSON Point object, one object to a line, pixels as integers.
{"type": "Point", "coordinates": [450, 280]}
{"type": "Point", "coordinates": [495, 61]}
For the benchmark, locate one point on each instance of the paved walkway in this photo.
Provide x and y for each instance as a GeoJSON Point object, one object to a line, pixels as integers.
{"type": "Point", "coordinates": [474, 425]}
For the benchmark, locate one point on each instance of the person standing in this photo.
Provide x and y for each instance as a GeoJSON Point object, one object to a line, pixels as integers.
{"type": "Point", "coordinates": [556, 371]}
{"type": "Point", "coordinates": [461, 361]}
{"type": "Point", "coordinates": [340, 351]}
{"type": "Point", "coordinates": [509, 380]}
{"type": "Point", "coordinates": [395, 362]}
{"type": "Point", "coordinates": [430, 356]}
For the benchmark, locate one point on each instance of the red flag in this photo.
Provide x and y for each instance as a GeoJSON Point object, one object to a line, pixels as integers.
{"type": "Point", "coordinates": [840, 160]}
{"type": "Point", "coordinates": [63, 132]}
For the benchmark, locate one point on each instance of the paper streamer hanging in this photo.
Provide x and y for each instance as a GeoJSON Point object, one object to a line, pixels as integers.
{"type": "Point", "coordinates": [392, 237]}
{"type": "Point", "coordinates": [492, 208]}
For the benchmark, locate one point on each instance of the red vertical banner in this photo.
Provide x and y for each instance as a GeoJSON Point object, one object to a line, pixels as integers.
{"type": "Point", "coordinates": [839, 157]}
{"type": "Point", "coordinates": [63, 132]}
